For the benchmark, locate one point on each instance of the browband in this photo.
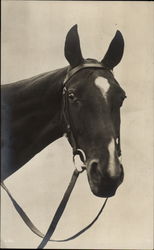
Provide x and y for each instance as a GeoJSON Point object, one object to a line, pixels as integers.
{"type": "Point", "coordinates": [73, 71]}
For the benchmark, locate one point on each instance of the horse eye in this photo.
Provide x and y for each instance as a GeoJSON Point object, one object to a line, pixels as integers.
{"type": "Point", "coordinates": [72, 96]}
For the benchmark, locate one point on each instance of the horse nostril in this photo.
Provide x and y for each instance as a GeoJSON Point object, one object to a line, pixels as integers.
{"type": "Point", "coordinates": [93, 164]}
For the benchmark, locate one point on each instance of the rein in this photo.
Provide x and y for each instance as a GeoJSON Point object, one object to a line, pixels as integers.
{"type": "Point", "coordinates": [47, 237]}
{"type": "Point", "coordinates": [75, 175]}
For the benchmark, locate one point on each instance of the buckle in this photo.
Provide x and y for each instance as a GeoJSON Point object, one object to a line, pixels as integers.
{"type": "Point", "coordinates": [79, 158]}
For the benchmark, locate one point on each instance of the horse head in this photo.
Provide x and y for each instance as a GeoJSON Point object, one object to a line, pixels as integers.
{"type": "Point", "coordinates": [92, 101]}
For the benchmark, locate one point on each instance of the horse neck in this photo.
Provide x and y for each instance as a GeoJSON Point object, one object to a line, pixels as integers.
{"type": "Point", "coordinates": [32, 117]}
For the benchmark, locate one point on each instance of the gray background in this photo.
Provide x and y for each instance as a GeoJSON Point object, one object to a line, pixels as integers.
{"type": "Point", "coordinates": [33, 35]}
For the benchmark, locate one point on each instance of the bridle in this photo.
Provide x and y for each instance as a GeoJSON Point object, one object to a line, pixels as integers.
{"type": "Point", "coordinates": [66, 110]}
{"type": "Point", "coordinates": [67, 116]}
{"type": "Point", "coordinates": [76, 151]}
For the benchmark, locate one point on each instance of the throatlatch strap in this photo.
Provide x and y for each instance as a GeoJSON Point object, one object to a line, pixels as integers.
{"type": "Point", "coordinates": [56, 217]}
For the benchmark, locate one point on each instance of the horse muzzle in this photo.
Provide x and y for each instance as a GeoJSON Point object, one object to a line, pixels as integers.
{"type": "Point", "coordinates": [104, 182]}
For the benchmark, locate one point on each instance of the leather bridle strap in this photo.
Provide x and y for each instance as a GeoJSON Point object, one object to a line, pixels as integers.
{"type": "Point", "coordinates": [66, 112]}
{"type": "Point", "coordinates": [57, 216]}
{"type": "Point", "coordinates": [59, 211]}
{"type": "Point", "coordinates": [86, 65]}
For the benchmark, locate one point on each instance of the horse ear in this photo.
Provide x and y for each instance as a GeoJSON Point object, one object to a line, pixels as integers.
{"type": "Point", "coordinates": [115, 51]}
{"type": "Point", "coordinates": [72, 47]}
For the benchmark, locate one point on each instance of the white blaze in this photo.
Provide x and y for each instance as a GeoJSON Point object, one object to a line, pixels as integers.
{"type": "Point", "coordinates": [112, 162]}
{"type": "Point", "coordinates": [103, 85]}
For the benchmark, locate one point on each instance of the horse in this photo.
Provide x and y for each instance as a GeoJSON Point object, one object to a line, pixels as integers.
{"type": "Point", "coordinates": [81, 101]}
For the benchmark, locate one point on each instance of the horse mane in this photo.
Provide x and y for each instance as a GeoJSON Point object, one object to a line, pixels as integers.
{"type": "Point", "coordinates": [25, 87]}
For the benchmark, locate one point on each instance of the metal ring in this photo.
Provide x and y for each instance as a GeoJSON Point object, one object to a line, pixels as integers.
{"type": "Point", "coordinates": [82, 170]}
